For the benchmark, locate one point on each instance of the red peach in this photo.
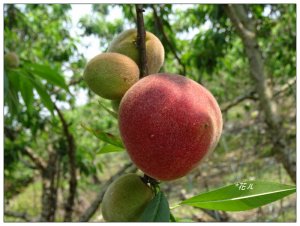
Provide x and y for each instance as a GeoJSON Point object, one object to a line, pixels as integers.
{"type": "Point", "coordinates": [168, 124]}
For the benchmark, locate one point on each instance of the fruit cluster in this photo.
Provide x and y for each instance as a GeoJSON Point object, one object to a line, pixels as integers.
{"type": "Point", "coordinates": [168, 123]}
{"type": "Point", "coordinates": [112, 73]}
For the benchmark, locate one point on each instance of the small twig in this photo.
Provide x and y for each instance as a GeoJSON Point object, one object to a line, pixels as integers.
{"type": "Point", "coordinates": [75, 81]}
{"type": "Point", "coordinates": [87, 215]}
{"type": "Point", "coordinates": [152, 182]}
{"type": "Point", "coordinates": [72, 82]}
{"type": "Point", "coordinates": [248, 95]}
{"type": "Point", "coordinates": [141, 40]}
{"type": "Point", "coordinates": [251, 95]}
{"type": "Point", "coordinates": [285, 87]}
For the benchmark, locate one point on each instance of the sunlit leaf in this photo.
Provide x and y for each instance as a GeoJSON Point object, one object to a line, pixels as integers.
{"type": "Point", "coordinates": [26, 89]}
{"type": "Point", "coordinates": [112, 113]}
{"type": "Point", "coordinates": [45, 97]}
{"type": "Point", "coordinates": [48, 74]}
{"type": "Point", "coordinates": [108, 148]}
{"type": "Point", "coordinates": [106, 137]}
{"type": "Point", "coordinates": [241, 196]}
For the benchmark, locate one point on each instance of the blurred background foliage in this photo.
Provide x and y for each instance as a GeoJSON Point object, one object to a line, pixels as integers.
{"type": "Point", "coordinates": [43, 118]}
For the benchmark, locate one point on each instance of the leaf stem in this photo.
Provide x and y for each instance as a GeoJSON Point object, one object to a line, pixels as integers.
{"type": "Point", "coordinates": [173, 207]}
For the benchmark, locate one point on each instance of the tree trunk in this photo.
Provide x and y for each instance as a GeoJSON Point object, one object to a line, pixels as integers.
{"type": "Point", "coordinates": [49, 194]}
{"type": "Point", "coordinates": [72, 166]}
{"type": "Point", "coordinates": [246, 30]}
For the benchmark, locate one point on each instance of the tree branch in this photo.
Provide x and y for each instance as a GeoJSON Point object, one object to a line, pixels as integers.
{"type": "Point", "coordinates": [251, 95]}
{"type": "Point", "coordinates": [160, 27]}
{"type": "Point", "coordinates": [248, 95]}
{"type": "Point", "coordinates": [141, 40]}
{"type": "Point", "coordinates": [87, 215]}
{"type": "Point", "coordinates": [239, 20]}
{"type": "Point", "coordinates": [72, 167]}
{"type": "Point", "coordinates": [285, 87]}
{"type": "Point", "coordinates": [39, 162]}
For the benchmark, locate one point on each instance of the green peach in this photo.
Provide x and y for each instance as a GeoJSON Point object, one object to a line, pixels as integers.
{"type": "Point", "coordinates": [126, 43]}
{"type": "Point", "coordinates": [110, 75]}
{"type": "Point", "coordinates": [125, 199]}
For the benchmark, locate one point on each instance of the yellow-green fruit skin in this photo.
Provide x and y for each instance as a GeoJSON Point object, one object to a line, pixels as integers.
{"type": "Point", "coordinates": [125, 199]}
{"type": "Point", "coordinates": [11, 60]}
{"type": "Point", "coordinates": [126, 43]}
{"type": "Point", "coordinates": [110, 75]}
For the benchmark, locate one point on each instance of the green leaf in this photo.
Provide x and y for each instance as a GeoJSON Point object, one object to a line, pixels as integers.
{"type": "Point", "coordinates": [12, 84]}
{"type": "Point", "coordinates": [112, 113]}
{"type": "Point", "coordinates": [108, 148]}
{"type": "Point", "coordinates": [172, 218]}
{"type": "Point", "coordinates": [45, 97]}
{"type": "Point", "coordinates": [47, 73]}
{"type": "Point", "coordinates": [106, 137]}
{"type": "Point", "coordinates": [14, 78]}
{"type": "Point", "coordinates": [241, 196]}
{"type": "Point", "coordinates": [26, 89]}
{"type": "Point", "coordinates": [6, 85]}
{"type": "Point", "coordinates": [157, 210]}
{"type": "Point", "coordinates": [13, 102]}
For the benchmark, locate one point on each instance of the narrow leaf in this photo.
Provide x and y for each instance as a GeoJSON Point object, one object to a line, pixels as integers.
{"type": "Point", "coordinates": [241, 196]}
{"type": "Point", "coordinates": [112, 113]}
{"type": "Point", "coordinates": [26, 89]}
{"type": "Point", "coordinates": [157, 210]}
{"type": "Point", "coordinates": [47, 73]}
{"type": "Point", "coordinates": [45, 97]}
{"type": "Point", "coordinates": [6, 85]}
{"type": "Point", "coordinates": [106, 137]}
{"type": "Point", "coordinates": [13, 101]}
{"type": "Point", "coordinates": [14, 79]}
{"type": "Point", "coordinates": [108, 148]}
{"type": "Point", "coordinates": [12, 98]}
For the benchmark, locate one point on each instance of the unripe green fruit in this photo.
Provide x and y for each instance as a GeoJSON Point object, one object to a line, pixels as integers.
{"type": "Point", "coordinates": [110, 75]}
{"type": "Point", "coordinates": [115, 105]}
{"type": "Point", "coordinates": [11, 60]}
{"type": "Point", "coordinates": [126, 43]}
{"type": "Point", "coordinates": [125, 199]}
